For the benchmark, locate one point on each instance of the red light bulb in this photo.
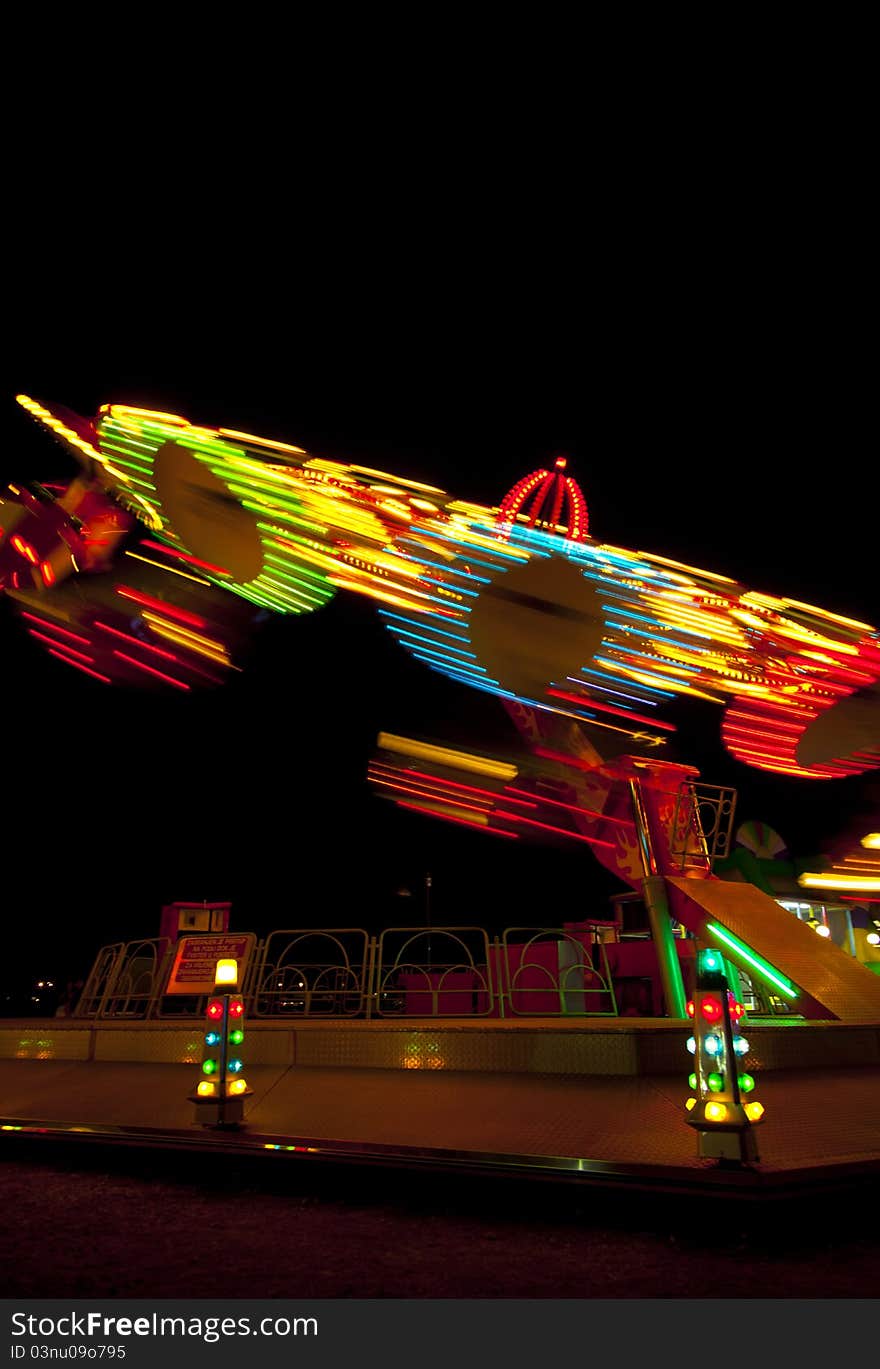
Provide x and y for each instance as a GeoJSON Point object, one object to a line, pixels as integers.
{"type": "Point", "coordinates": [236, 1007]}
{"type": "Point", "coordinates": [689, 1007]}
{"type": "Point", "coordinates": [215, 1009]}
{"type": "Point", "coordinates": [711, 1009]}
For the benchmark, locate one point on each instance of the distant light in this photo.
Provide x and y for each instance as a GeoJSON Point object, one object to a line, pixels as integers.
{"type": "Point", "coordinates": [873, 938]}
{"type": "Point", "coordinates": [822, 930]}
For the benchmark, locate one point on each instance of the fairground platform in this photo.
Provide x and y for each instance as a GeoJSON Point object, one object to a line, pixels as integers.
{"type": "Point", "coordinates": [590, 1102]}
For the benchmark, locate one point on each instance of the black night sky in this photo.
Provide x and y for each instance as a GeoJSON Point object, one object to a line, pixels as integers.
{"type": "Point", "coordinates": [722, 426]}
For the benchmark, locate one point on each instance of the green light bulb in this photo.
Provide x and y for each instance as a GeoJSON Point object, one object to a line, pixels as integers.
{"type": "Point", "coordinates": [209, 1066]}
{"type": "Point", "coordinates": [746, 1083]}
{"type": "Point", "coordinates": [715, 1082]}
{"type": "Point", "coordinates": [236, 1037]}
{"type": "Point", "coordinates": [692, 1081]}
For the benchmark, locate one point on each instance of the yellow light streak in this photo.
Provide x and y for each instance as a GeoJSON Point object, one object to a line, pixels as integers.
{"type": "Point", "coordinates": [764, 600]}
{"type": "Point", "coordinates": [857, 883]}
{"type": "Point", "coordinates": [171, 569]}
{"type": "Point", "coordinates": [263, 441]}
{"type": "Point", "coordinates": [156, 620]}
{"type": "Point", "coordinates": [832, 617]}
{"type": "Point", "coordinates": [397, 480]}
{"type": "Point", "coordinates": [448, 810]}
{"type": "Point", "coordinates": [442, 755]}
{"type": "Point", "coordinates": [680, 565]}
{"type": "Point", "coordinates": [143, 414]}
{"type": "Point", "coordinates": [176, 638]}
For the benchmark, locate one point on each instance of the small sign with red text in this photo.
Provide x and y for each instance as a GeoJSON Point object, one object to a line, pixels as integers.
{"type": "Point", "coordinates": [196, 961]}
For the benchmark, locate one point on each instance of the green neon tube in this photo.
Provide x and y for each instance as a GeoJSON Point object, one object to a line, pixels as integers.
{"type": "Point", "coordinates": [763, 968]}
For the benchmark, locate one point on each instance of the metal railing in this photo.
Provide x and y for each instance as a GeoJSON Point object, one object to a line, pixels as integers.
{"type": "Point", "coordinates": [702, 825]}
{"type": "Point", "coordinates": [405, 972]}
{"type": "Point", "coordinates": [433, 972]}
{"type": "Point", "coordinates": [312, 973]}
{"type": "Point", "coordinates": [555, 972]}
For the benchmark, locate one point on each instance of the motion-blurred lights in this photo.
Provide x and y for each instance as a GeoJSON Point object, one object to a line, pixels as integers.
{"type": "Point", "coordinates": [872, 841]}
{"type": "Point", "coordinates": [862, 884]}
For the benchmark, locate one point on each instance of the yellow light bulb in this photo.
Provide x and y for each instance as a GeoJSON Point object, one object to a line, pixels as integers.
{"type": "Point", "coordinates": [754, 1111]}
{"type": "Point", "coordinates": [716, 1112]}
{"type": "Point", "coordinates": [206, 1089]}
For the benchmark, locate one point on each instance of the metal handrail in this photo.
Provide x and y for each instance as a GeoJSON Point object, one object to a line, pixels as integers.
{"type": "Point", "coordinates": [403, 972]}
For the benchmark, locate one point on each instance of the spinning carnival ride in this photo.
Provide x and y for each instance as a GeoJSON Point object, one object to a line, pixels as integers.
{"type": "Point", "coordinates": [156, 564]}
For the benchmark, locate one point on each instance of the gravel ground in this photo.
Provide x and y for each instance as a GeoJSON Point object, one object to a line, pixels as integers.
{"type": "Point", "coordinates": [147, 1224]}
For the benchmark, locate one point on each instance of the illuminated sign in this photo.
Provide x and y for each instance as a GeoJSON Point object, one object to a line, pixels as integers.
{"type": "Point", "coordinates": [195, 963]}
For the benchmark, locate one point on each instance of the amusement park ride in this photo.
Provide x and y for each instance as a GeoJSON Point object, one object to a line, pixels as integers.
{"type": "Point", "coordinates": [154, 565]}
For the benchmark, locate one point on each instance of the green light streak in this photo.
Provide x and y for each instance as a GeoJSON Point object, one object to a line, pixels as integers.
{"type": "Point", "coordinates": [282, 568]}
{"type": "Point", "coordinates": [128, 441]}
{"type": "Point", "coordinates": [133, 480]}
{"type": "Point", "coordinates": [207, 447]}
{"type": "Point", "coordinates": [133, 466]}
{"type": "Point", "coordinates": [752, 958]}
{"type": "Point", "coordinates": [278, 513]}
{"type": "Point", "coordinates": [298, 595]}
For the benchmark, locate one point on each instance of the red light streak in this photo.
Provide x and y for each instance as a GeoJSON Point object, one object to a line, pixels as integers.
{"type": "Point", "coordinates": [462, 822]}
{"type": "Point", "coordinates": [47, 573]}
{"type": "Point", "coordinates": [144, 646]}
{"type": "Point", "coordinates": [53, 628]}
{"type": "Point", "coordinates": [454, 784]}
{"type": "Point", "coordinates": [25, 550]}
{"type": "Point", "coordinates": [184, 556]}
{"type": "Point", "coordinates": [84, 668]}
{"type": "Point", "coordinates": [589, 702]}
{"type": "Point", "coordinates": [572, 808]}
{"type": "Point", "coordinates": [159, 605]}
{"type": "Point", "coordinates": [562, 831]}
{"type": "Point", "coordinates": [436, 794]}
{"type": "Point", "coordinates": [62, 646]}
{"type": "Point", "coordinates": [562, 759]}
{"type": "Point", "coordinates": [179, 684]}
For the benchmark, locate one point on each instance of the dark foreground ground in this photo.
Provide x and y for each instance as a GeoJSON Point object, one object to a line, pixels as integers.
{"type": "Point", "coordinates": [94, 1223]}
